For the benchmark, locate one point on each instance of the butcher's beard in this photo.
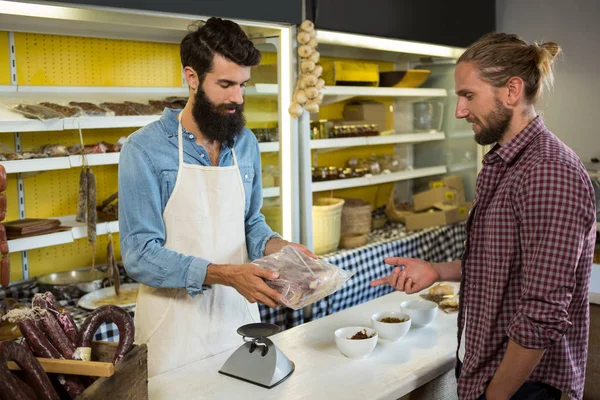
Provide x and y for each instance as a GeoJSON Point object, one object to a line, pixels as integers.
{"type": "Point", "coordinates": [214, 121]}
{"type": "Point", "coordinates": [498, 121]}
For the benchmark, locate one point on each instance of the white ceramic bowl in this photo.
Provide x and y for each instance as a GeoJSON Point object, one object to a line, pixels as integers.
{"type": "Point", "coordinates": [357, 348]}
{"type": "Point", "coordinates": [422, 312]}
{"type": "Point", "coordinates": [391, 330]}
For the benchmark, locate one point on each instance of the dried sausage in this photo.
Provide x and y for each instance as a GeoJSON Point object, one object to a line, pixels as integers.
{"type": "Point", "coordinates": [2, 206]}
{"type": "Point", "coordinates": [91, 206]}
{"type": "Point", "coordinates": [68, 326]}
{"type": "Point", "coordinates": [35, 375]}
{"type": "Point", "coordinates": [82, 197]}
{"type": "Point", "coordinates": [113, 314]}
{"type": "Point", "coordinates": [3, 180]}
{"type": "Point", "coordinates": [4, 271]}
{"type": "Point", "coordinates": [41, 347]}
{"type": "Point", "coordinates": [39, 344]}
{"type": "Point", "coordinates": [52, 329]}
{"type": "Point", "coordinates": [3, 240]}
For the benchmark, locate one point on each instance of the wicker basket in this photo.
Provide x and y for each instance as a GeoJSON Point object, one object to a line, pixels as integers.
{"type": "Point", "coordinates": [327, 224]}
{"type": "Point", "coordinates": [356, 217]}
{"type": "Point", "coordinates": [352, 240]}
{"type": "Point", "coordinates": [395, 214]}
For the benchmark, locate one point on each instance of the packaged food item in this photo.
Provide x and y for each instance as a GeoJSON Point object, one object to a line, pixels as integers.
{"type": "Point", "coordinates": [143, 109]}
{"type": "Point", "coordinates": [91, 109]}
{"type": "Point", "coordinates": [120, 109]}
{"type": "Point", "coordinates": [160, 105]}
{"type": "Point", "coordinates": [64, 110]}
{"type": "Point", "coordinates": [302, 280]}
{"type": "Point", "coordinates": [54, 150]}
{"type": "Point", "coordinates": [34, 111]}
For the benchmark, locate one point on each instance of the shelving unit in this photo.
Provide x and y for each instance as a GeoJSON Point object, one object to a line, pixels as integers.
{"type": "Point", "coordinates": [378, 179]}
{"type": "Point", "coordinates": [73, 161]}
{"type": "Point", "coordinates": [407, 138]}
{"type": "Point", "coordinates": [78, 231]}
{"type": "Point", "coordinates": [402, 55]}
{"type": "Point", "coordinates": [153, 31]}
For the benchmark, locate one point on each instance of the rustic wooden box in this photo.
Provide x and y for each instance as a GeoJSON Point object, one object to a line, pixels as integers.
{"type": "Point", "coordinates": [130, 380]}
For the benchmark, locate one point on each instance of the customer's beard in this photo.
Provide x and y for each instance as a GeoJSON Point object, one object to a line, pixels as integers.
{"type": "Point", "coordinates": [498, 121]}
{"type": "Point", "coordinates": [213, 120]}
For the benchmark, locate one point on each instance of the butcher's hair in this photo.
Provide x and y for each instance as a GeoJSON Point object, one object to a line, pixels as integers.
{"type": "Point", "coordinates": [216, 36]}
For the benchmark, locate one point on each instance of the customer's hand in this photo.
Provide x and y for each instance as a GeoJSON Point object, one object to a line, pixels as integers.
{"type": "Point", "coordinates": [411, 275]}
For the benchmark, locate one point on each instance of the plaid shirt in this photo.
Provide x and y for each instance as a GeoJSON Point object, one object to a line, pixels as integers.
{"type": "Point", "coordinates": [527, 262]}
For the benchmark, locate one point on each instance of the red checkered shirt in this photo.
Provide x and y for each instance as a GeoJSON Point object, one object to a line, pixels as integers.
{"type": "Point", "coordinates": [527, 262]}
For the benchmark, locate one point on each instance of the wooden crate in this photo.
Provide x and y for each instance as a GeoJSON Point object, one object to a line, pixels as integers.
{"type": "Point", "coordinates": [130, 380]}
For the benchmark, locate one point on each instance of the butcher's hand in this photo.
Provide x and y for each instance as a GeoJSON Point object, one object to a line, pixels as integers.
{"type": "Point", "coordinates": [410, 275]}
{"type": "Point", "coordinates": [276, 244]}
{"type": "Point", "coordinates": [248, 280]}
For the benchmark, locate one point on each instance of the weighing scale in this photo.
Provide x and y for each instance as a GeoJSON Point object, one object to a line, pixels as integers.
{"type": "Point", "coordinates": [258, 360]}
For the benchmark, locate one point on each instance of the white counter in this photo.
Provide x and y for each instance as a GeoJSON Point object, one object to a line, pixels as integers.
{"type": "Point", "coordinates": [392, 370]}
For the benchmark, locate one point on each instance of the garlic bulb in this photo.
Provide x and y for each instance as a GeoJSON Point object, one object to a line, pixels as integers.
{"type": "Point", "coordinates": [312, 44]}
{"type": "Point", "coordinates": [301, 96]}
{"type": "Point", "coordinates": [320, 84]}
{"type": "Point", "coordinates": [308, 81]}
{"type": "Point", "coordinates": [307, 25]}
{"type": "Point", "coordinates": [311, 92]}
{"type": "Point", "coordinates": [317, 71]}
{"type": "Point", "coordinates": [307, 66]}
{"type": "Point", "coordinates": [295, 110]}
{"type": "Point", "coordinates": [311, 106]}
{"type": "Point", "coordinates": [315, 56]}
{"type": "Point", "coordinates": [305, 51]}
{"type": "Point", "coordinates": [303, 37]}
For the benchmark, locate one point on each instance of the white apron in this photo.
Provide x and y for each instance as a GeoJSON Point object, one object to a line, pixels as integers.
{"type": "Point", "coordinates": [204, 217]}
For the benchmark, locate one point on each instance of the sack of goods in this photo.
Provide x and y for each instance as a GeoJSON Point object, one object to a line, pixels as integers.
{"type": "Point", "coordinates": [302, 280]}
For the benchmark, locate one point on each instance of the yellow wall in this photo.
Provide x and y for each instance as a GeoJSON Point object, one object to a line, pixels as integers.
{"type": "Point", "coordinates": [4, 59]}
{"type": "Point", "coordinates": [67, 60]}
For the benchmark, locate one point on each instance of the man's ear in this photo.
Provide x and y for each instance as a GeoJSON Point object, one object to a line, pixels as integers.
{"type": "Point", "coordinates": [516, 87]}
{"type": "Point", "coordinates": [192, 78]}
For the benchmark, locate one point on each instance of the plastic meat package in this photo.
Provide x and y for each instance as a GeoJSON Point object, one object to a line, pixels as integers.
{"type": "Point", "coordinates": [302, 280]}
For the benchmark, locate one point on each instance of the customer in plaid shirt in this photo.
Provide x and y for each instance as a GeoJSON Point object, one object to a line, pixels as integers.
{"type": "Point", "coordinates": [524, 319]}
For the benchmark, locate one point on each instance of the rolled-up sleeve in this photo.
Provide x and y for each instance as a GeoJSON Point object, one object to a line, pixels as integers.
{"type": "Point", "coordinates": [258, 233]}
{"type": "Point", "coordinates": [142, 229]}
{"type": "Point", "coordinates": [554, 220]}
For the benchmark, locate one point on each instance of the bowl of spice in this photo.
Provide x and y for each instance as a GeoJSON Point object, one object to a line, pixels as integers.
{"type": "Point", "coordinates": [391, 325]}
{"type": "Point", "coordinates": [356, 341]}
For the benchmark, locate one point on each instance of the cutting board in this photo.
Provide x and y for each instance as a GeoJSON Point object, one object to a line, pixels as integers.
{"type": "Point", "coordinates": [29, 226]}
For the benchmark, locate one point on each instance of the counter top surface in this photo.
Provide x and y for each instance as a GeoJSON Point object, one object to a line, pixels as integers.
{"type": "Point", "coordinates": [392, 369]}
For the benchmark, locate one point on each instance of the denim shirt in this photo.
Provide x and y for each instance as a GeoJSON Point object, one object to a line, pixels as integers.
{"type": "Point", "coordinates": [148, 167]}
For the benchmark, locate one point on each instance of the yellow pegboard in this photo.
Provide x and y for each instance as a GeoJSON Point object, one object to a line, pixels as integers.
{"type": "Point", "coordinates": [78, 61]}
{"type": "Point", "coordinates": [4, 59]}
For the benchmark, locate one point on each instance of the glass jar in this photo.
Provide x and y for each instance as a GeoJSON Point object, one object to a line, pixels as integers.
{"type": "Point", "coordinates": [332, 173]}
{"type": "Point", "coordinates": [374, 167]}
{"type": "Point", "coordinates": [374, 130]}
{"type": "Point", "coordinates": [353, 163]}
{"type": "Point", "coordinates": [322, 174]}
